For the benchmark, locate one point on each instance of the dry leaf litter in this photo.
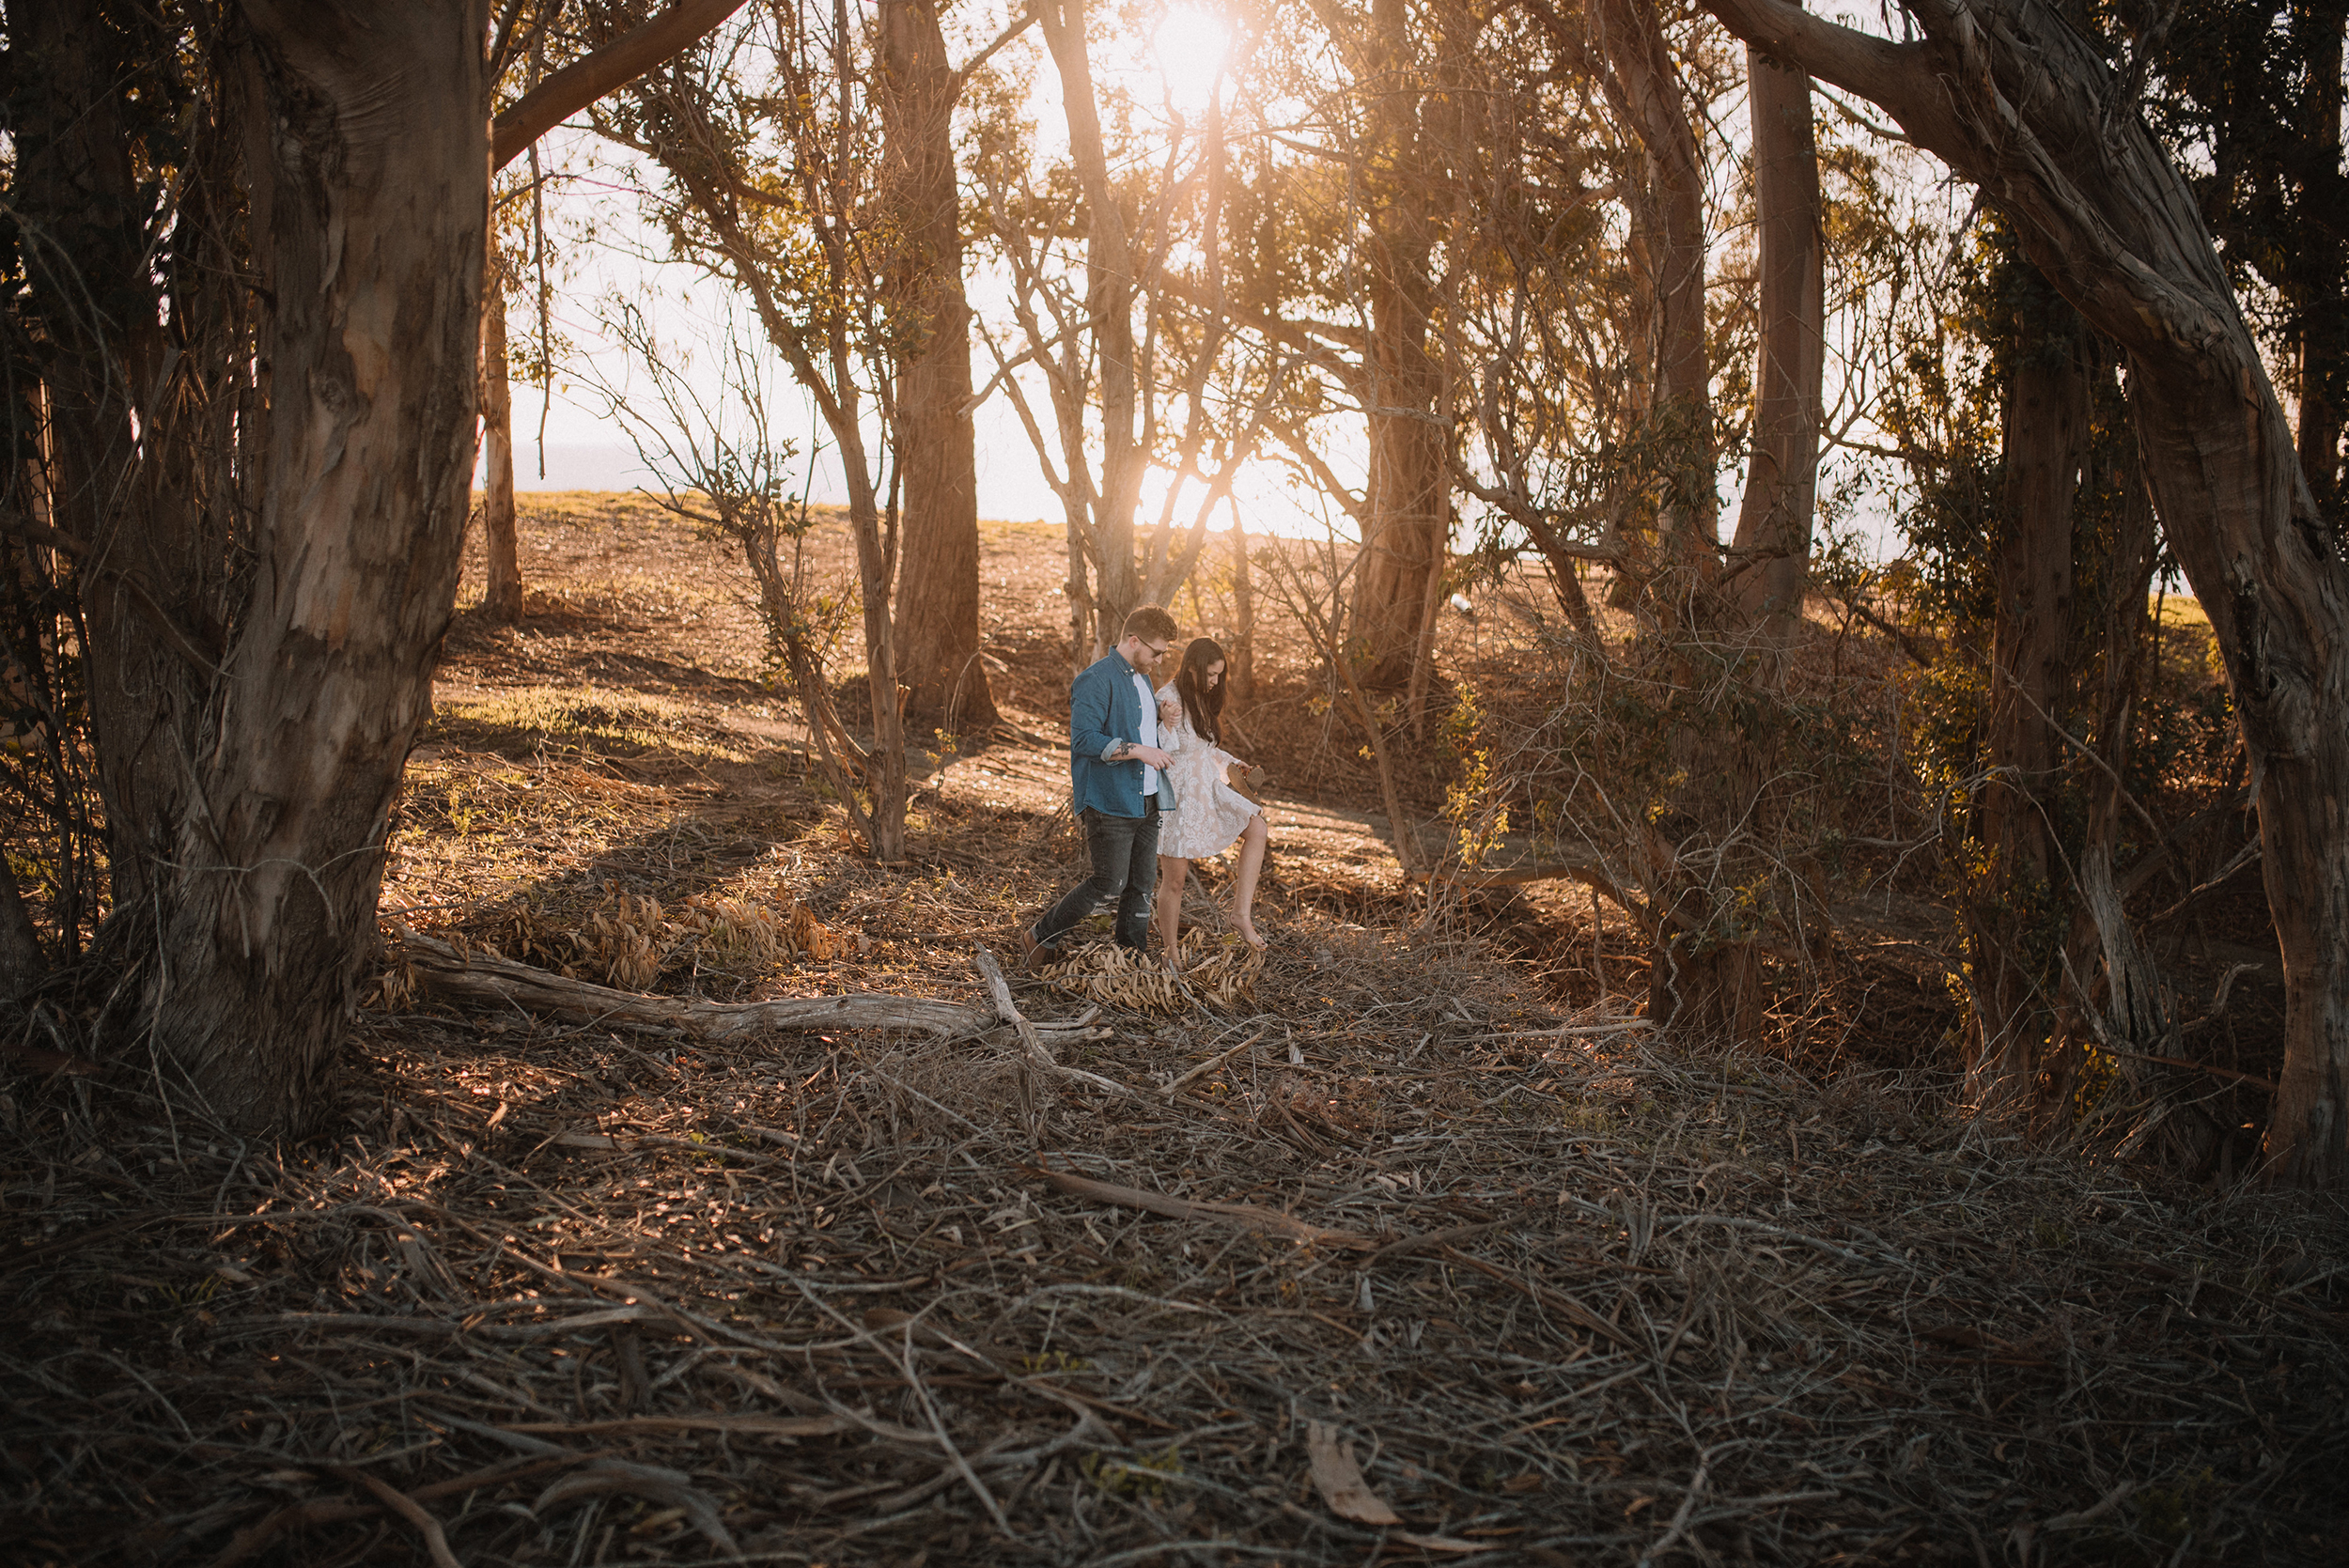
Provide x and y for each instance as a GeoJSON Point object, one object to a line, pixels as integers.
{"type": "Point", "coordinates": [1410, 1272]}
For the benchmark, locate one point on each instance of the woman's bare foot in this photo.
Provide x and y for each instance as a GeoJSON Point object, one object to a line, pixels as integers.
{"type": "Point", "coordinates": [1248, 934]}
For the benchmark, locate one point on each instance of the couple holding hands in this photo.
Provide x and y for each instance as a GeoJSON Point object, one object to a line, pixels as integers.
{"type": "Point", "coordinates": [1151, 788]}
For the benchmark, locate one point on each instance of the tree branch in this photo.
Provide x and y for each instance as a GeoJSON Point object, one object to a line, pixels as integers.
{"type": "Point", "coordinates": [585, 80]}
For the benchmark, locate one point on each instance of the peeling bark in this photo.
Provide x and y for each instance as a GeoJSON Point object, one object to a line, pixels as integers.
{"type": "Point", "coordinates": [255, 856]}
{"type": "Point", "coordinates": [267, 569]}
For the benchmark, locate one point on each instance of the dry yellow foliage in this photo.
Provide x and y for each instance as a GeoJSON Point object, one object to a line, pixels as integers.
{"type": "Point", "coordinates": [1217, 971]}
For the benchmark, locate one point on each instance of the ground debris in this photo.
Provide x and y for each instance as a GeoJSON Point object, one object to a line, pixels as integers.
{"type": "Point", "coordinates": [1564, 1293]}
{"type": "Point", "coordinates": [583, 1283]}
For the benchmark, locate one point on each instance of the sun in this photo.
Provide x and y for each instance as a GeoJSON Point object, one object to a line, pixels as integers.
{"type": "Point", "coordinates": [1190, 46]}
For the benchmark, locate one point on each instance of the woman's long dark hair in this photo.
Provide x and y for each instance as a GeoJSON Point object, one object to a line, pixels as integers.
{"type": "Point", "coordinates": [1202, 704]}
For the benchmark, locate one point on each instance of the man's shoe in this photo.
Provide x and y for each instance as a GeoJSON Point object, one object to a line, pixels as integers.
{"type": "Point", "coordinates": [1033, 954]}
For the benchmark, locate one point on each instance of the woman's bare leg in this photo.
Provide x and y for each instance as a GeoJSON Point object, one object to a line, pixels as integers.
{"type": "Point", "coordinates": [1252, 851]}
{"type": "Point", "coordinates": [1172, 870]}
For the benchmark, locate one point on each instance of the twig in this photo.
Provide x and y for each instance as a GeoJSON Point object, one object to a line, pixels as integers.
{"type": "Point", "coordinates": [1183, 1208]}
{"type": "Point", "coordinates": [2112, 1501]}
{"type": "Point", "coordinates": [1035, 1052]}
{"type": "Point", "coordinates": [2228, 1073]}
{"type": "Point", "coordinates": [435, 1539]}
{"type": "Point", "coordinates": [970, 1476]}
{"type": "Point", "coordinates": [1557, 1301]}
{"type": "Point", "coordinates": [2241, 857]}
{"type": "Point", "coordinates": [1680, 1519]}
{"type": "Point", "coordinates": [1214, 1062]}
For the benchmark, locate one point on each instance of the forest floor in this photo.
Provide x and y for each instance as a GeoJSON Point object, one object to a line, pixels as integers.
{"type": "Point", "coordinates": [1426, 1249]}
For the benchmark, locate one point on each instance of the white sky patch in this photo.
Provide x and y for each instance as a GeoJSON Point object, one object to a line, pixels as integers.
{"type": "Point", "coordinates": [1191, 48]}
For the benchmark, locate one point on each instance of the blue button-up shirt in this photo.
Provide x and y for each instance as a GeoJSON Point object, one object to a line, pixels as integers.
{"type": "Point", "coordinates": [1104, 708]}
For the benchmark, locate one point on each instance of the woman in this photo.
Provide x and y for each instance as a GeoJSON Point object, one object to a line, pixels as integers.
{"type": "Point", "coordinates": [1212, 813]}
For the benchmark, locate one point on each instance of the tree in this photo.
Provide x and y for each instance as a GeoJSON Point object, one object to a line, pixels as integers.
{"type": "Point", "coordinates": [2016, 101]}
{"type": "Point", "coordinates": [251, 250]}
{"type": "Point", "coordinates": [1640, 81]}
{"type": "Point", "coordinates": [1407, 502]}
{"type": "Point", "coordinates": [938, 590]}
{"type": "Point", "coordinates": [2036, 544]}
{"type": "Point", "coordinates": [1557, 324]}
{"type": "Point", "coordinates": [2255, 91]}
{"type": "Point", "coordinates": [775, 185]}
{"type": "Point", "coordinates": [1771, 548]}
{"type": "Point", "coordinates": [502, 595]}
{"type": "Point", "coordinates": [1716, 627]}
{"type": "Point", "coordinates": [264, 444]}
{"type": "Point", "coordinates": [1615, 368]}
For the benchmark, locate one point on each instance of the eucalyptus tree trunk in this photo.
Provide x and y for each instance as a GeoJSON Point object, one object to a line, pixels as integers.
{"type": "Point", "coordinates": [1744, 623]}
{"type": "Point", "coordinates": [1104, 514]}
{"type": "Point", "coordinates": [502, 596]}
{"type": "Point", "coordinates": [2013, 915]}
{"type": "Point", "coordinates": [2019, 104]}
{"type": "Point", "coordinates": [268, 572]}
{"type": "Point", "coordinates": [1705, 974]}
{"type": "Point", "coordinates": [1240, 680]}
{"type": "Point", "coordinates": [371, 208]}
{"type": "Point", "coordinates": [1644, 89]}
{"type": "Point", "coordinates": [876, 563]}
{"type": "Point", "coordinates": [2321, 259]}
{"type": "Point", "coordinates": [938, 587]}
{"type": "Point", "coordinates": [1407, 500]}
{"type": "Point", "coordinates": [1772, 545]}
{"type": "Point", "coordinates": [2134, 1011]}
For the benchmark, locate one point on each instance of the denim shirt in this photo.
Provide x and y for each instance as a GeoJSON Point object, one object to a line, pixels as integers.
{"type": "Point", "coordinates": [1104, 710]}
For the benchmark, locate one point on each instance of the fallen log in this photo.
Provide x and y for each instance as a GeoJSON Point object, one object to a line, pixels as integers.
{"type": "Point", "coordinates": [480, 981]}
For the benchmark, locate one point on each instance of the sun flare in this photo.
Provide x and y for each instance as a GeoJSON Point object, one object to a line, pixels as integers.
{"type": "Point", "coordinates": [1190, 46]}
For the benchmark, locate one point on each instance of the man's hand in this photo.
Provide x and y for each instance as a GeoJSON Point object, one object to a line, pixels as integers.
{"type": "Point", "coordinates": [1150, 755]}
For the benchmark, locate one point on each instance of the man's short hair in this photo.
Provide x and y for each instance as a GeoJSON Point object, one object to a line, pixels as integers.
{"type": "Point", "coordinates": [1149, 622]}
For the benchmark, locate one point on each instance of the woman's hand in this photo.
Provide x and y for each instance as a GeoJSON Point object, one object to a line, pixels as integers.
{"type": "Point", "coordinates": [1170, 711]}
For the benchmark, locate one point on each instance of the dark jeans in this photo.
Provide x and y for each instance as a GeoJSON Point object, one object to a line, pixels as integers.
{"type": "Point", "coordinates": [1125, 852]}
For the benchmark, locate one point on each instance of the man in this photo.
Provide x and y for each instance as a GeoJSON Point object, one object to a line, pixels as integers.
{"type": "Point", "coordinates": [1114, 773]}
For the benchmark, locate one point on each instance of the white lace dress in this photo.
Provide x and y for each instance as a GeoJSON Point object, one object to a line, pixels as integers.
{"type": "Point", "coordinates": [1209, 815]}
